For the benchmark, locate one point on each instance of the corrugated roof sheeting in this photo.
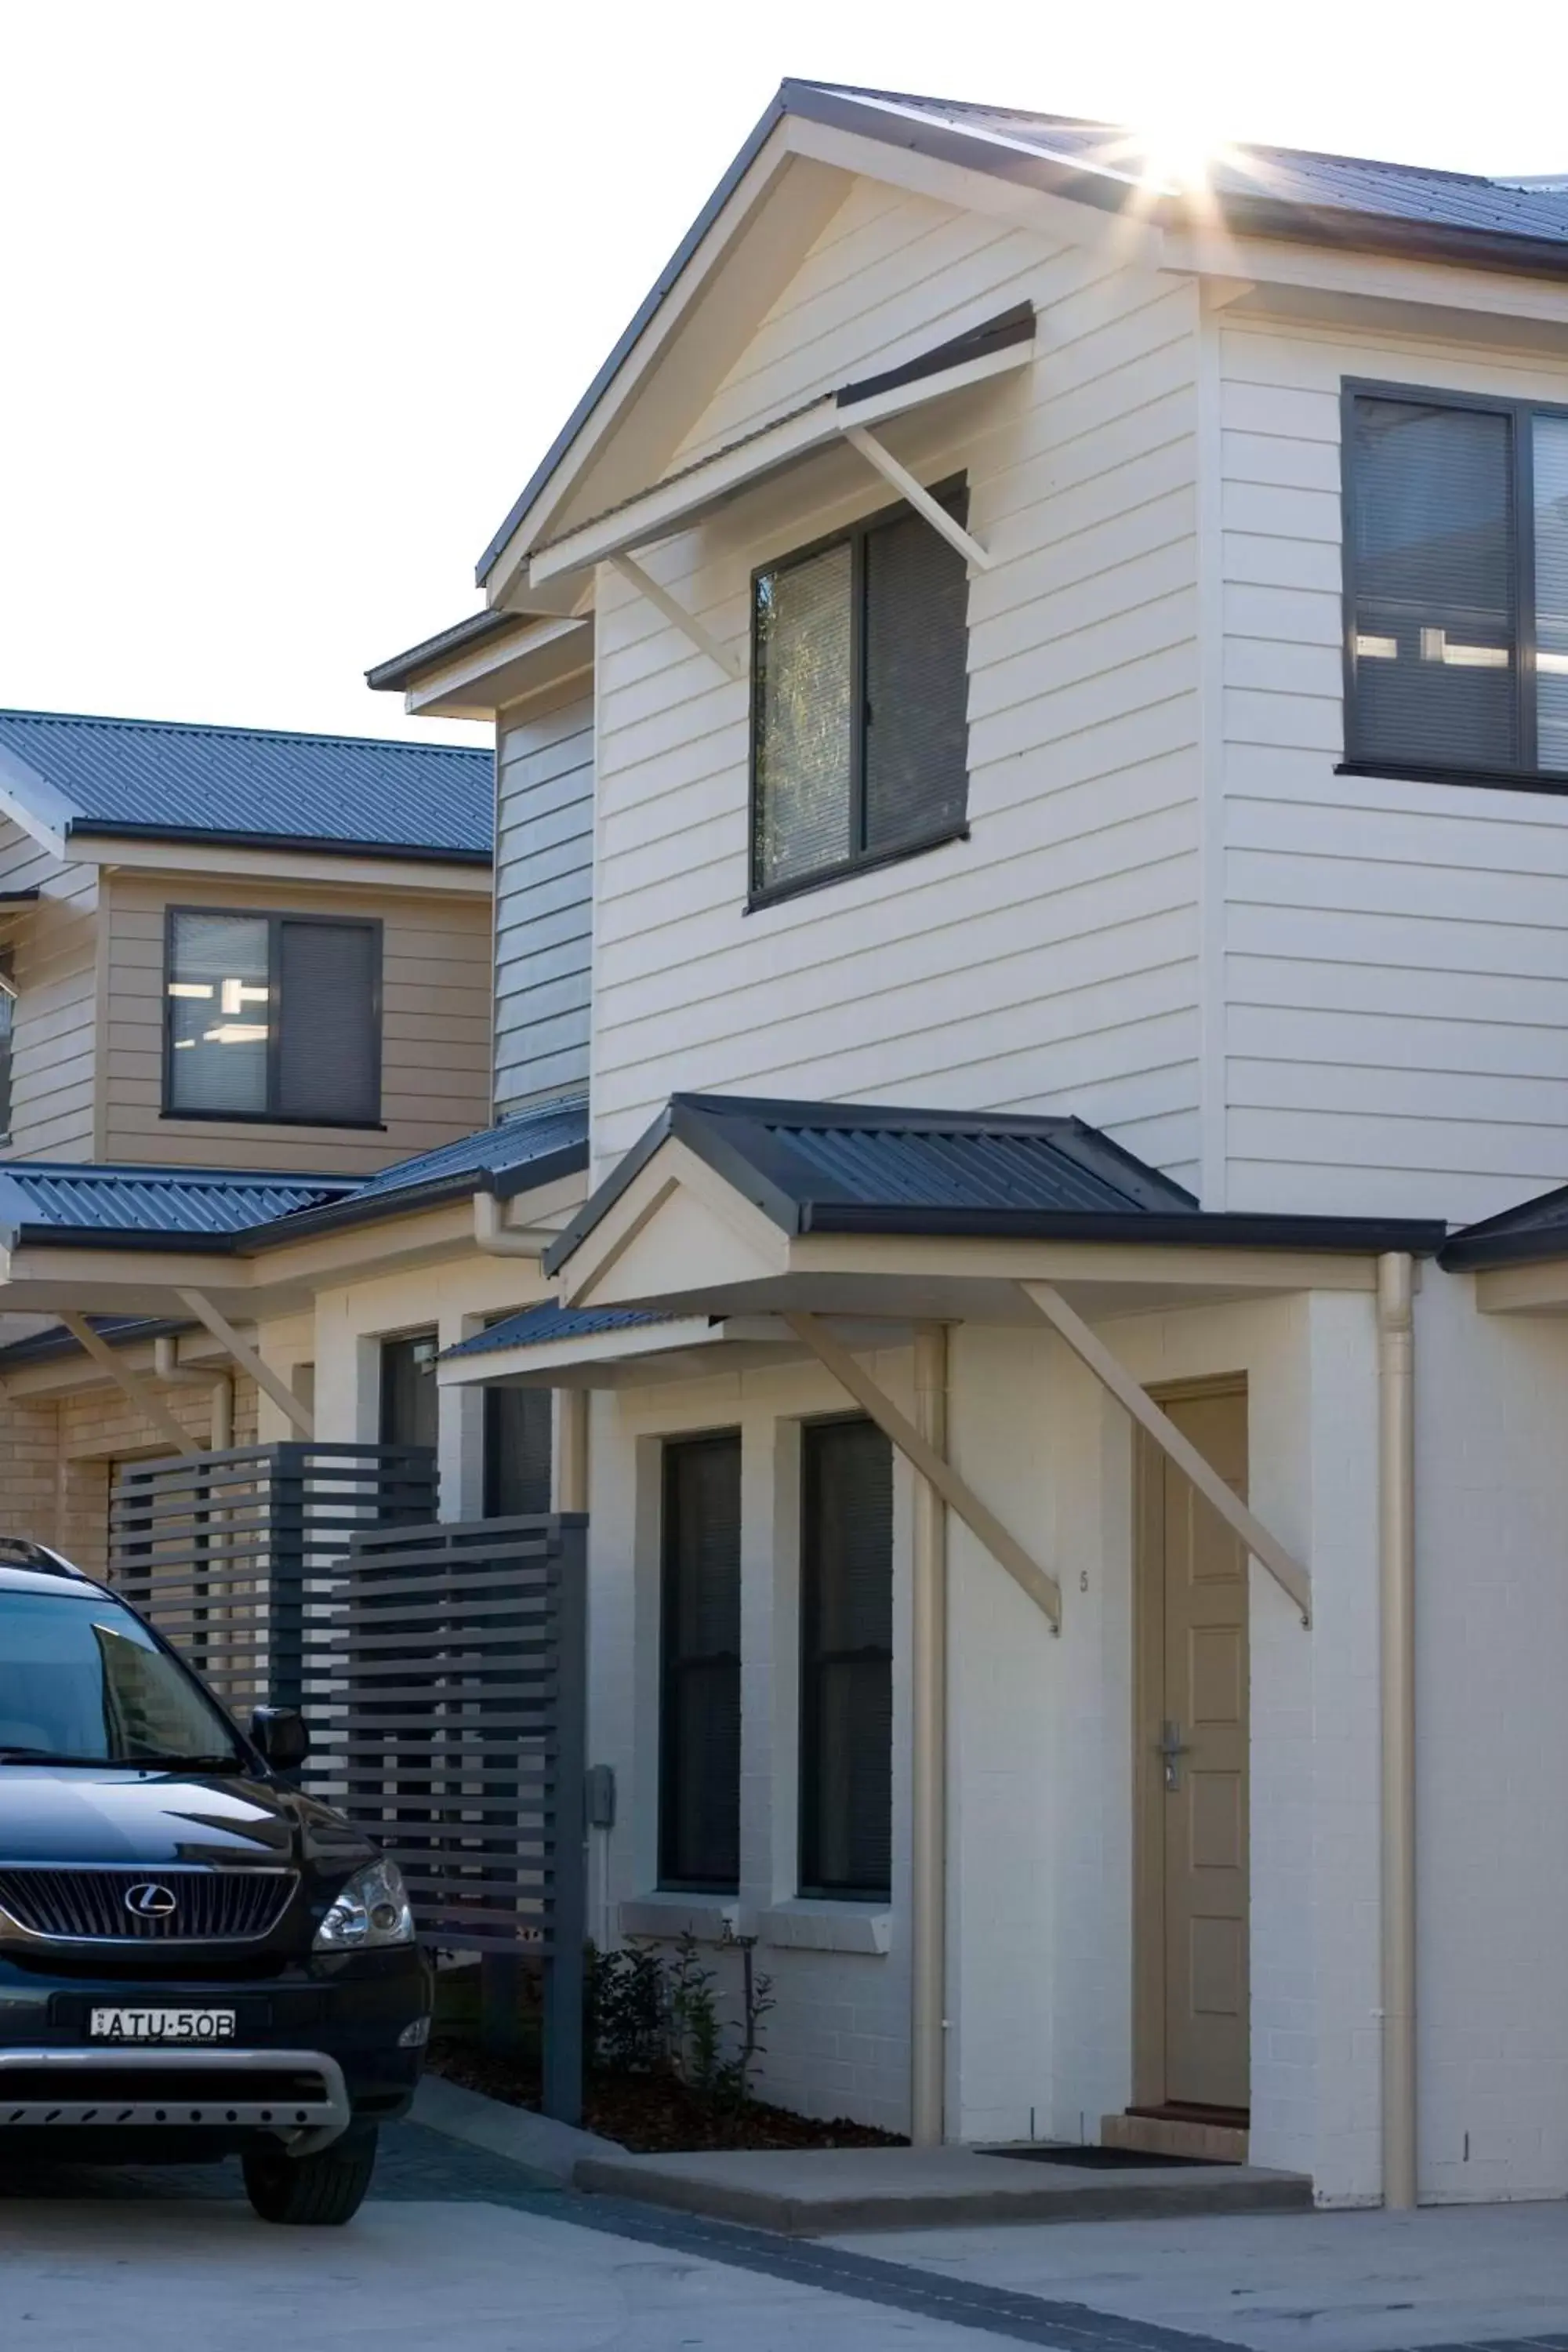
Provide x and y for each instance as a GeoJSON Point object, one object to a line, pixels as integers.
{"type": "Point", "coordinates": [537, 1325]}
{"type": "Point", "coordinates": [1351, 183]}
{"type": "Point", "coordinates": [229, 779]}
{"type": "Point", "coordinates": [964, 1169]}
{"type": "Point", "coordinates": [200, 1202]}
{"type": "Point", "coordinates": [499, 1151]}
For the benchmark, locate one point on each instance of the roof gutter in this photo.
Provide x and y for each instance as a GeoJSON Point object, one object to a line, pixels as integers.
{"type": "Point", "coordinates": [82, 830]}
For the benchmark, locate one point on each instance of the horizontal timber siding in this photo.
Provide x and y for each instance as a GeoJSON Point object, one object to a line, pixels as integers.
{"type": "Point", "coordinates": [436, 1029]}
{"type": "Point", "coordinates": [1396, 987]}
{"type": "Point", "coordinates": [544, 881]}
{"type": "Point", "coordinates": [54, 1057]}
{"type": "Point", "coordinates": [1049, 961]}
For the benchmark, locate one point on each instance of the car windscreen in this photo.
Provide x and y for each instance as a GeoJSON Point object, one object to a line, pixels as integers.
{"type": "Point", "coordinates": [83, 1680]}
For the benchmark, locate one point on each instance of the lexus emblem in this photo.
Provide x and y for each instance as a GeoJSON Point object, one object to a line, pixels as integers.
{"type": "Point", "coordinates": [149, 1901]}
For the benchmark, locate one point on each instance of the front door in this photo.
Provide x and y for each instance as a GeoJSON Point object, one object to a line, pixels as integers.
{"type": "Point", "coordinates": [1192, 1926]}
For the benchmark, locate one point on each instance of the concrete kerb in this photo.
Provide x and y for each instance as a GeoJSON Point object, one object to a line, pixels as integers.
{"type": "Point", "coordinates": [550, 2151]}
{"type": "Point", "coordinates": [834, 2192]}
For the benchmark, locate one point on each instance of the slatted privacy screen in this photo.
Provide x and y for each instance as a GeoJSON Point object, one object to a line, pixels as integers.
{"type": "Point", "coordinates": [239, 1558]}
{"type": "Point", "coordinates": [465, 1650]}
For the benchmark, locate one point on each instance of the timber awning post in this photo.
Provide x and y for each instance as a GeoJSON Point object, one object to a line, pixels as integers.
{"type": "Point", "coordinates": [1092, 1349]}
{"type": "Point", "coordinates": [1037, 1582]}
{"type": "Point", "coordinates": [269, 1382]}
{"type": "Point", "coordinates": [151, 1407]}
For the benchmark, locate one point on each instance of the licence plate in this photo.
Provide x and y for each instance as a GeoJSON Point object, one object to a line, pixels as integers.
{"type": "Point", "coordinates": [162, 2025]}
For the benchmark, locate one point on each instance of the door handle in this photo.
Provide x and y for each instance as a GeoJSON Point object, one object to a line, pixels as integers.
{"type": "Point", "coordinates": [1172, 1747]}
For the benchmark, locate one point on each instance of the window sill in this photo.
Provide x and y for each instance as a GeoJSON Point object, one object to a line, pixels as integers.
{"type": "Point", "coordinates": [1489, 780]}
{"type": "Point", "coordinates": [272, 1119]}
{"type": "Point", "coordinates": [709, 1919]}
{"type": "Point", "coordinates": [783, 891]}
{"type": "Point", "coordinates": [810, 1924]}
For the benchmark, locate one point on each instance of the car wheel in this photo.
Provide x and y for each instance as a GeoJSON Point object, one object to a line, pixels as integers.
{"type": "Point", "coordinates": [319, 2191]}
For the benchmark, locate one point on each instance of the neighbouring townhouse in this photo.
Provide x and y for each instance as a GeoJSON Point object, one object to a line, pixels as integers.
{"type": "Point", "coordinates": [1030, 1068]}
{"type": "Point", "coordinates": [244, 973]}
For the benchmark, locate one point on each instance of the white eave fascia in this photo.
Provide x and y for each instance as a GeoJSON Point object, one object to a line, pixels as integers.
{"type": "Point", "coordinates": [672, 506]}
{"type": "Point", "coordinates": [146, 853]}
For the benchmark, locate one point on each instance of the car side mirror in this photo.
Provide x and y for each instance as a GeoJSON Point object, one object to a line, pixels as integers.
{"type": "Point", "coordinates": [282, 1735]}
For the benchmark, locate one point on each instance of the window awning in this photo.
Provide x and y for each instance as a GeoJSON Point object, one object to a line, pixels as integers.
{"type": "Point", "coordinates": [992, 349]}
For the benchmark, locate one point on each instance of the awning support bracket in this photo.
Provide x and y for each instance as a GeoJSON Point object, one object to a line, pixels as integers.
{"type": "Point", "coordinates": [731, 663]}
{"type": "Point", "coordinates": [1037, 1582]}
{"type": "Point", "coordinates": [151, 1408]}
{"type": "Point", "coordinates": [1090, 1350]}
{"type": "Point", "coordinates": [919, 496]}
{"type": "Point", "coordinates": [290, 1406]}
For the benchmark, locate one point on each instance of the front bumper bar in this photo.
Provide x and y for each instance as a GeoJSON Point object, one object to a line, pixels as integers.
{"type": "Point", "coordinates": [145, 2088]}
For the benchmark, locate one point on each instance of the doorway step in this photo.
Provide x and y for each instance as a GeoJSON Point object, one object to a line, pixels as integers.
{"type": "Point", "coordinates": [1210, 2135]}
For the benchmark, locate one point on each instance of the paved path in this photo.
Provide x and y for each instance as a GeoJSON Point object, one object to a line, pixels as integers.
{"type": "Point", "coordinates": [460, 2248]}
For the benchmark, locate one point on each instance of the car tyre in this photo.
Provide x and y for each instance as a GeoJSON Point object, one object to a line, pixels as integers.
{"type": "Point", "coordinates": [313, 2192]}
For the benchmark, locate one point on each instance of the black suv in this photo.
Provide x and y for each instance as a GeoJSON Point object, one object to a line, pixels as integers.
{"type": "Point", "coordinates": [197, 1961]}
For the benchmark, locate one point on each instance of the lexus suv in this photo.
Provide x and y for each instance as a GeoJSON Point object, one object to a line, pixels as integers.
{"type": "Point", "coordinates": [197, 1961]}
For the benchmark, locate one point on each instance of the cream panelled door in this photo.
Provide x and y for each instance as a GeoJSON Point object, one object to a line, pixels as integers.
{"type": "Point", "coordinates": [1196, 1889]}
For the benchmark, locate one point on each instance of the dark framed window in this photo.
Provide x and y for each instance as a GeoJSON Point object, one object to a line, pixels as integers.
{"type": "Point", "coordinates": [859, 698]}
{"type": "Point", "coordinates": [1456, 554]}
{"type": "Point", "coordinates": [410, 1400]}
{"type": "Point", "coordinates": [274, 1017]}
{"type": "Point", "coordinates": [700, 1640]}
{"type": "Point", "coordinates": [518, 1448]}
{"type": "Point", "coordinates": [847, 1660]}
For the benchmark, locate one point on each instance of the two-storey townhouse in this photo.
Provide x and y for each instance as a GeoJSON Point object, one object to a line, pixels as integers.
{"type": "Point", "coordinates": [1075, 657]}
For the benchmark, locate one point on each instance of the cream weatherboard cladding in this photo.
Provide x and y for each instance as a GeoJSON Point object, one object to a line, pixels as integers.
{"type": "Point", "coordinates": [1396, 1015]}
{"type": "Point", "coordinates": [544, 877]}
{"type": "Point", "coordinates": [1073, 906]}
{"type": "Point", "coordinates": [435, 1082]}
{"type": "Point", "coordinates": [54, 1048]}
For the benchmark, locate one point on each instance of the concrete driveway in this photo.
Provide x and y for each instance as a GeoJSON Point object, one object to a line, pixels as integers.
{"type": "Point", "coordinates": [461, 2249]}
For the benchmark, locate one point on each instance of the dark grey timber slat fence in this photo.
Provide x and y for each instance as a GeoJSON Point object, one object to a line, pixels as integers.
{"type": "Point", "coordinates": [467, 1666]}
{"type": "Point", "coordinates": [442, 1666]}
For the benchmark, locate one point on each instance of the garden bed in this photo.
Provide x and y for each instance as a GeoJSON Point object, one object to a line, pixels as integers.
{"type": "Point", "coordinates": [651, 2113]}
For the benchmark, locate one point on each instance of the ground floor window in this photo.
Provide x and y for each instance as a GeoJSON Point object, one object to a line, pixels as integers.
{"type": "Point", "coordinates": [699, 1761]}
{"type": "Point", "coordinates": [517, 1452]}
{"type": "Point", "coordinates": [410, 1401]}
{"type": "Point", "coordinates": [847, 1660]}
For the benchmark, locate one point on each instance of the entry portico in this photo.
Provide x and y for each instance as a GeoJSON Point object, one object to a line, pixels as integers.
{"type": "Point", "coordinates": [1006, 1298]}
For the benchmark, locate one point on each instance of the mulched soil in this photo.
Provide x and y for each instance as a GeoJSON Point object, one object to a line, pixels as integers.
{"type": "Point", "coordinates": [652, 2114]}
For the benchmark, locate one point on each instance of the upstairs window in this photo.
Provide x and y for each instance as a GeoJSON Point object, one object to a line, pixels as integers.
{"type": "Point", "coordinates": [859, 739]}
{"type": "Point", "coordinates": [273, 1017]}
{"type": "Point", "coordinates": [1457, 586]}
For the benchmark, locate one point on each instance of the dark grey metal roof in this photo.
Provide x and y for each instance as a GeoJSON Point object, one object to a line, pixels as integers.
{"type": "Point", "coordinates": [254, 785]}
{"type": "Point", "coordinates": [131, 1207]}
{"type": "Point", "coordinates": [844, 1167]}
{"type": "Point", "coordinates": [240, 1211]}
{"type": "Point", "coordinates": [534, 1147]}
{"type": "Point", "coordinates": [1536, 1229]}
{"type": "Point", "coordinates": [1279, 190]}
{"type": "Point", "coordinates": [537, 1325]}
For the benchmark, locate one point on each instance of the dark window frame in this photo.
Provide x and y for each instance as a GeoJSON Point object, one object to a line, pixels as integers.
{"type": "Point", "coordinates": [1527, 776]}
{"type": "Point", "coordinates": [275, 920]}
{"type": "Point", "coordinates": [386, 1341]}
{"type": "Point", "coordinates": [669, 1668]}
{"type": "Point", "coordinates": [809, 1881]}
{"type": "Point", "coordinates": [952, 491]}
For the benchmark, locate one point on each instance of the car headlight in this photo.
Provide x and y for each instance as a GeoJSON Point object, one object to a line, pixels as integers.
{"type": "Point", "coordinates": [371, 1912]}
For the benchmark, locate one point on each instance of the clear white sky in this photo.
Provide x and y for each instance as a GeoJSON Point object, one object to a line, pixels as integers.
{"type": "Point", "coordinates": [294, 296]}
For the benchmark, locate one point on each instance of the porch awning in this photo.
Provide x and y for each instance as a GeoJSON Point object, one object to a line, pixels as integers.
{"type": "Point", "coordinates": [992, 349]}
{"type": "Point", "coordinates": [733, 1206]}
